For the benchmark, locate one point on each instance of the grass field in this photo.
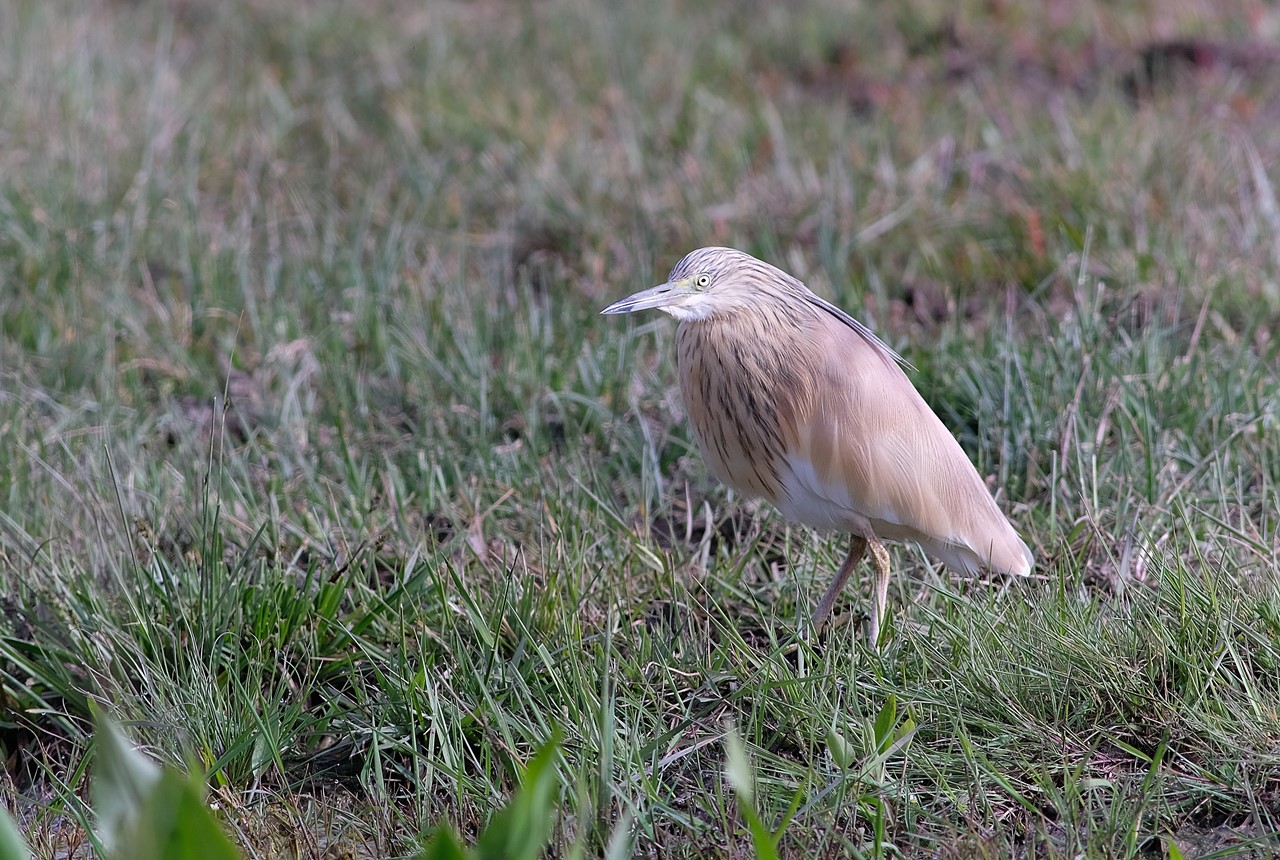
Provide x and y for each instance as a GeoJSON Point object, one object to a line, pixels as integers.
{"type": "Point", "coordinates": [320, 472]}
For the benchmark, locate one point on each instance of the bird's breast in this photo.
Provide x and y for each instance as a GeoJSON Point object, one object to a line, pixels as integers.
{"type": "Point", "coordinates": [740, 384]}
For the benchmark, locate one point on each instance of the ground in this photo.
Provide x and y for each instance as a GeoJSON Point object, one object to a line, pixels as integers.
{"type": "Point", "coordinates": [320, 472]}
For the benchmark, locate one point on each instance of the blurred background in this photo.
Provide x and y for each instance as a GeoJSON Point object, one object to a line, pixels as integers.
{"type": "Point", "coordinates": [298, 320]}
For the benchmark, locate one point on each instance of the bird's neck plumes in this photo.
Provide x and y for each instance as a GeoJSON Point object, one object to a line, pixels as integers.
{"type": "Point", "coordinates": [727, 369]}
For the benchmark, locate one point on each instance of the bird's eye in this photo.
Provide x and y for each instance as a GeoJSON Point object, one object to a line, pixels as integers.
{"type": "Point", "coordinates": [702, 281]}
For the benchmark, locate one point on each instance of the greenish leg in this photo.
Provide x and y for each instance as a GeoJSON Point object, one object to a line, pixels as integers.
{"type": "Point", "coordinates": [880, 596]}
{"type": "Point", "coordinates": [857, 549]}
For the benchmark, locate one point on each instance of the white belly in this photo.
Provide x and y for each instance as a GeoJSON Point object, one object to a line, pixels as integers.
{"type": "Point", "coordinates": [807, 499]}
{"type": "Point", "coordinates": [829, 506]}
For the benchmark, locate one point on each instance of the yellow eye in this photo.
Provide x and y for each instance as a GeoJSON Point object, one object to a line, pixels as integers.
{"type": "Point", "coordinates": [702, 281]}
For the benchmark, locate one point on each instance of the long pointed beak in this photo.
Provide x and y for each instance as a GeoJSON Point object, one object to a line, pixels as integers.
{"type": "Point", "coordinates": [654, 297]}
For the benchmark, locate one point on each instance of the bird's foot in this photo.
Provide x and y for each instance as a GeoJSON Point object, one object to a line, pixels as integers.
{"type": "Point", "coordinates": [844, 619]}
{"type": "Point", "coordinates": [837, 621]}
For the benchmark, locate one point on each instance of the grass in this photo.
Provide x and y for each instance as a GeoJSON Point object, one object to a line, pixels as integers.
{"type": "Point", "coordinates": [319, 469]}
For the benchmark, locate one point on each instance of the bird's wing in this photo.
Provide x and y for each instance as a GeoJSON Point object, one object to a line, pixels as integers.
{"type": "Point", "coordinates": [863, 331]}
{"type": "Point", "coordinates": [870, 443]}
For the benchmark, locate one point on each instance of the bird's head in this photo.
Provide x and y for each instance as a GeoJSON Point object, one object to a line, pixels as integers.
{"type": "Point", "coordinates": [706, 281]}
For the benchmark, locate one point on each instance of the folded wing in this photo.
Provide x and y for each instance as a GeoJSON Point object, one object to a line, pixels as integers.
{"type": "Point", "coordinates": [867, 443]}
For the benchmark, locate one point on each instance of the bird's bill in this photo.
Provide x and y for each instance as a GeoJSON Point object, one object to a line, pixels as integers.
{"type": "Point", "coordinates": [654, 297]}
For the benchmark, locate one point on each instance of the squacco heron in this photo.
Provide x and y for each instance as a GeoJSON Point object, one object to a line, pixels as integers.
{"type": "Point", "coordinates": [794, 401]}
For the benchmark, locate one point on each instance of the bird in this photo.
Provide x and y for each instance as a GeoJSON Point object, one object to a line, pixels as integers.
{"type": "Point", "coordinates": [794, 401]}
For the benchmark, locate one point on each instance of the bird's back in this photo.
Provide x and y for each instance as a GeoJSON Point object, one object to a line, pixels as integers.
{"type": "Point", "coordinates": [798, 407]}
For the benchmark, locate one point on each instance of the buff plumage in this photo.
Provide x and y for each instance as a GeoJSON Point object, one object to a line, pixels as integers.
{"type": "Point", "coordinates": [794, 401]}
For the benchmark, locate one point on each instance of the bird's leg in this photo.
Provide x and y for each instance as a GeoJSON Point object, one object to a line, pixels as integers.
{"type": "Point", "coordinates": [857, 548]}
{"type": "Point", "coordinates": [880, 594]}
